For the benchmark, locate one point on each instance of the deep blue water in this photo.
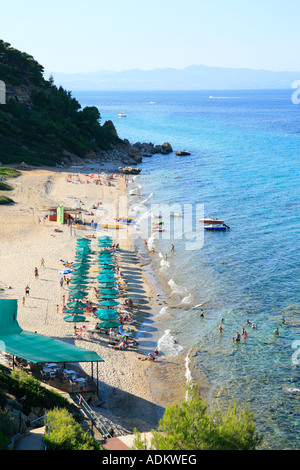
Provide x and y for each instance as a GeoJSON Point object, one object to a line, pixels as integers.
{"type": "Point", "coordinates": [244, 168]}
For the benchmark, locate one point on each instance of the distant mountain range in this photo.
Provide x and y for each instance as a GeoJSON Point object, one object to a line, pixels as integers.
{"type": "Point", "coordinates": [195, 77]}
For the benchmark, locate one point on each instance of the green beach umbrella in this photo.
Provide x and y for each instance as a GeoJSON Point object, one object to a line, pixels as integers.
{"type": "Point", "coordinates": [108, 291]}
{"type": "Point", "coordinates": [104, 279]}
{"type": "Point", "coordinates": [107, 315]}
{"type": "Point", "coordinates": [75, 287]}
{"type": "Point", "coordinates": [107, 310]}
{"type": "Point", "coordinates": [74, 318]}
{"type": "Point", "coordinates": [107, 284]}
{"type": "Point", "coordinates": [104, 272]}
{"type": "Point", "coordinates": [107, 297]}
{"type": "Point", "coordinates": [73, 310]}
{"type": "Point", "coordinates": [109, 303]}
{"type": "Point", "coordinates": [109, 324]}
{"type": "Point", "coordinates": [77, 294]}
{"type": "Point", "coordinates": [79, 277]}
{"type": "Point", "coordinates": [80, 271]}
{"type": "Point", "coordinates": [76, 304]}
{"type": "Point", "coordinates": [82, 279]}
{"type": "Point", "coordinates": [79, 281]}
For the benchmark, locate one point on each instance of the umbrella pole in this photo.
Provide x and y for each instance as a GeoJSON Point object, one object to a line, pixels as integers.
{"type": "Point", "coordinates": [97, 381]}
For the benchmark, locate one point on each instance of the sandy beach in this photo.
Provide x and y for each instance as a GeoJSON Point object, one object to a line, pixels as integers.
{"type": "Point", "coordinates": [136, 389]}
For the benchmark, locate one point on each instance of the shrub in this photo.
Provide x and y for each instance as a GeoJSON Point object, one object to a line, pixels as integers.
{"type": "Point", "coordinates": [188, 425]}
{"type": "Point", "coordinates": [64, 433]}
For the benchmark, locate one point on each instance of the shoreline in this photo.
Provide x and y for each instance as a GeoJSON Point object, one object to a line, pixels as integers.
{"type": "Point", "coordinates": [135, 390]}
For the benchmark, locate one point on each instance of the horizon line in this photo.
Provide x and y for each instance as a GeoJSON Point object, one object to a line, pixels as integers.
{"type": "Point", "coordinates": [174, 68]}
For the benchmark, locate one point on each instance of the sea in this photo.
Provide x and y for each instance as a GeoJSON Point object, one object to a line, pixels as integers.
{"type": "Point", "coordinates": [243, 168]}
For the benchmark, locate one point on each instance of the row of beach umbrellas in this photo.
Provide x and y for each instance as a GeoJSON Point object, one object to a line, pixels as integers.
{"type": "Point", "coordinates": [79, 282]}
{"type": "Point", "coordinates": [107, 286]}
{"type": "Point", "coordinates": [106, 280]}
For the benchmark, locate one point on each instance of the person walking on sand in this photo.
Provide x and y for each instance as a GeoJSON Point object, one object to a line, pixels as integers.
{"type": "Point", "coordinates": [27, 289]}
{"type": "Point", "coordinates": [36, 273]}
{"type": "Point", "coordinates": [42, 263]}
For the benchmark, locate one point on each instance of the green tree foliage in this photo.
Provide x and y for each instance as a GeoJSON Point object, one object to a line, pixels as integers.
{"type": "Point", "coordinates": [64, 433]}
{"type": "Point", "coordinates": [189, 425]}
{"type": "Point", "coordinates": [12, 61]}
{"type": "Point", "coordinates": [38, 132]}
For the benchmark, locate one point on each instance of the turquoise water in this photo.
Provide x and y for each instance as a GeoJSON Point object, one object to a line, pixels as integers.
{"type": "Point", "coordinates": [244, 168]}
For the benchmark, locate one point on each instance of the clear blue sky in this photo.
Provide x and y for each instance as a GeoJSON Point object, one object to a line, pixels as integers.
{"type": "Point", "coordinates": [92, 35]}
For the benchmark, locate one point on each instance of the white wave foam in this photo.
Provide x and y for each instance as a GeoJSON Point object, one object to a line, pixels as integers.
{"type": "Point", "coordinates": [187, 300]}
{"type": "Point", "coordinates": [147, 199]}
{"type": "Point", "coordinates": [188, 373]}
{"type": "Point", "coordinates": [163, 311]}
{"type": "Point", "coordinates": [168, 346]}
{"type": "Point", "coordinates": [164, 264]}
{"type": "Point", "coordinates": [176, 289]}
{"type": "Point", "coordinates": [150, 241]}
{"type": "Point", "coordinates": [293, 390]}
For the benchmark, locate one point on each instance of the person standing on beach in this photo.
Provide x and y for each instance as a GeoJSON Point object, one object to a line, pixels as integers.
{"type": "Point", "coordinates": [27, 289]}
{"type": "Point", "coordinates": [36, 273]}
{"type": "Point", "coordinates": [42, 263]}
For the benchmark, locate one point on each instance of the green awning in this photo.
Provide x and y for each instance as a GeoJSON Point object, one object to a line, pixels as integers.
{"type": "Point", "coordinates": [34, 347]}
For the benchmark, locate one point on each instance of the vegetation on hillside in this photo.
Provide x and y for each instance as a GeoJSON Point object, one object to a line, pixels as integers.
{"type": "Point", "coordinates": [37, 129]}
{"type": "Point", "coordinates": [22, 392]}
{"type": "Point", "coordinates": [5, 173]}
{"type": "Point", "coordinates": [189, 425]}
{"type": "Point", "coordinates": [64, 433]}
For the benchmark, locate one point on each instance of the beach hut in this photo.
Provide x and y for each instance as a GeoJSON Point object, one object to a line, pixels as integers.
{"type": "Point", "coordinates": [35, 348]}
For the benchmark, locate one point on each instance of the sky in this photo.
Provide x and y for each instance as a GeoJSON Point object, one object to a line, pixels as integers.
{"type": "Point", "coordinates": [74, 36]}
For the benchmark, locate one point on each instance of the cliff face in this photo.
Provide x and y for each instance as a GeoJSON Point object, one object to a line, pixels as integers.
{"type": "Point", "coordinates": [21, 93]}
